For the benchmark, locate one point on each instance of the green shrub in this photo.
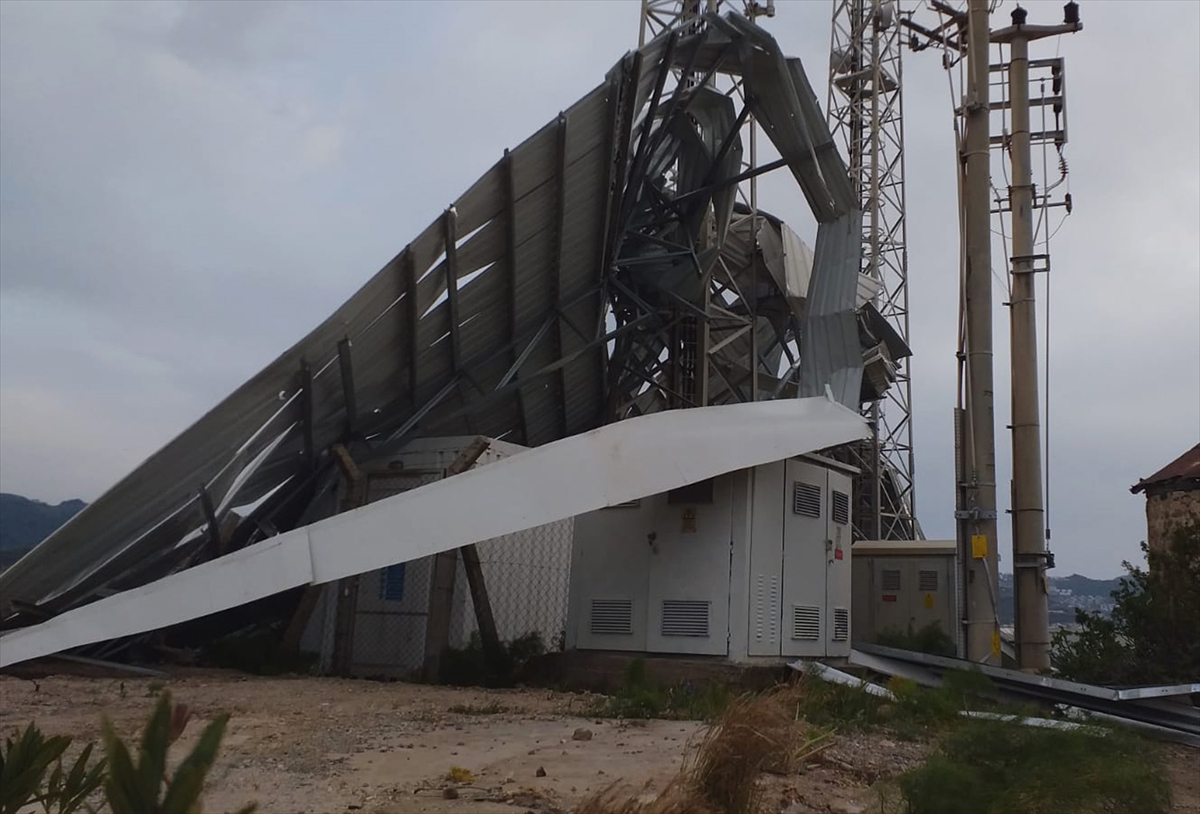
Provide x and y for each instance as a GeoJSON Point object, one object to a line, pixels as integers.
{"type": "Point", "coordinates": [24, 764]}
{"type": "Point", "coordinates": [929, 639]}
{"type": "Point", "coordinates": [914, 711]}
{"type": "Point", "coordinates": [640, 698]}
{"type": "Point", "coordinates": [470, 666]}
{"type": "Point", "coordinates": [1003, 767]}
{"type": "Point", "coordinates": [128, 787]}
{"type": "Point", "coordinates": [1153, 634]}
{"type": "Point", "coordinates": [138, 788]}
{"type": "Point", "coordinates": [257, 652]}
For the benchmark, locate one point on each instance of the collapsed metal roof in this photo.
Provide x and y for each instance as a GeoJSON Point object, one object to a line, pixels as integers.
{"type": "Point", "coordinates": [540, 305]}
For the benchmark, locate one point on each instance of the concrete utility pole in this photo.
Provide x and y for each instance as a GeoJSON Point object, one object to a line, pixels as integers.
{"type": "Point", "coordinates": [980, 561]}
{"type": "Point", "coordinates": [1029, 528]}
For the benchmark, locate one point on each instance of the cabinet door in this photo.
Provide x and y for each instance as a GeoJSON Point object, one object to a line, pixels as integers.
{"type": "Point", "coordinates": [837, 564]}
{"type": "Point", "coordinates": [688, 605]}
{"type": "Point", "coordinates": [766, 632]}
{"type": "Point", "coordinates": [805, 552]}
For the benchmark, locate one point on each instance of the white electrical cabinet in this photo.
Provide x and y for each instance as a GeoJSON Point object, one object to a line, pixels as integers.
{"type": "Point", "coordinates": [750, 565]}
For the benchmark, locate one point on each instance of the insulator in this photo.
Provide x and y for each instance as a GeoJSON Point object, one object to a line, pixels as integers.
{"type": "Point", "coordinates": [1067, 202]}
{"type": "Point", "coordinates": [1071, 13]}
{"type": "Point", "coordinates": [1062, 165]}
{"type": "Point", "coordinates": [887, 14]}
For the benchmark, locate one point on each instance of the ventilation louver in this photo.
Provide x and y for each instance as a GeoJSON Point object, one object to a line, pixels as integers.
{"type": "Point", "coordinates": [927, 581]}
{"type": "Point", "coordinates": [806, 623]}
{"type": "Point", "coordinates": [841, 624]}
{"type": "Point", "coordinates": [685, 617]}
{"type": "Point", "coordinates": [612, 617]}
{"type": "Point", "coordinates": [766, 608]}
{"type": "Point", "coordinates": [806, 499]}
{"type": "Point", "coordinates": [891, 579]}
{"type": "Point", "coordinates": [841, 508]}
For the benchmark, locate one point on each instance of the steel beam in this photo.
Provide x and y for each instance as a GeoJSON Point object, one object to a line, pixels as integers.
{"type": "Point", "coordinates": [349, 397]}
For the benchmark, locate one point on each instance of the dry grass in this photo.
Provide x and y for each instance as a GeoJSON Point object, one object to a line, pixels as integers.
{"type": "Point", "coordinates": [677, 798]}
{"type": "Point", "coordinates": [754, 734]}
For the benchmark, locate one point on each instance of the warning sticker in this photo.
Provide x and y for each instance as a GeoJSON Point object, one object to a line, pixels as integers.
{"type": "Point", "coordinates": [688, 526]}
{"type": "Point", "coordinates": [995, 642]}
{"type": "Point", "coordinates": [928, 601]}
{"type": "Point", "coordinates": [979, 546]}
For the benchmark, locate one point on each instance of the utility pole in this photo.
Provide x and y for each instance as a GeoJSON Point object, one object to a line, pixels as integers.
{"type": "Point", "coordinates": [1030, 555]}
{"type": "Point", "coordinates": [978, 544]}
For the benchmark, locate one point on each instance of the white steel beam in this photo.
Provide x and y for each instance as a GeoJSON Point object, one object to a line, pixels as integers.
{"type": "Point", "coordinates": [610, 465]}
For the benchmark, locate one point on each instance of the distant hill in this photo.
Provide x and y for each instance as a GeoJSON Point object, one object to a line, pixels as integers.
{"type": "Point", "coordinates": [1065, 595]}
{"type": "Point", "coordinates": [24, 523]}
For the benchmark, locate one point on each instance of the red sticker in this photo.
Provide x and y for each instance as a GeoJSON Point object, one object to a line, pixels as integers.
{"type": "Point", "coordinates": [837, 553]}
{"type": "Point", "coordinates": [889, 597]}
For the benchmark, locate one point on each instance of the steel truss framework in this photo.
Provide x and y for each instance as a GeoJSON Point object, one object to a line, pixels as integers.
{"type": "Point", "coordinates": [722, 325]}
{"type": "Point", "coordinates": [866, 117]}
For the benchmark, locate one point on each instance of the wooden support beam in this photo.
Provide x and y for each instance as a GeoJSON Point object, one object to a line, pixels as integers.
{"type": "Point", "coordinates": [349, 397]}
{"type": "Point", "coordinates": [354, 495]}
{"type": "Point", "coordinates": [441, 587]}
{"type": "Point", "coordinates": [492, 649]}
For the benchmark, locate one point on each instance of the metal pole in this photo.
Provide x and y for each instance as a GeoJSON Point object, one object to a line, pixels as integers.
{"type": "Point", "coordinates": [979, 546]}
{"type": "Point", "coordinates": [873, 269]}
{"type": "Point", "coordinates": [1029, 544]}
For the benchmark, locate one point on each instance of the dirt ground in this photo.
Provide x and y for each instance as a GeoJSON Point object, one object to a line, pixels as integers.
{"type": "Point", "coordinates": [329, 746]}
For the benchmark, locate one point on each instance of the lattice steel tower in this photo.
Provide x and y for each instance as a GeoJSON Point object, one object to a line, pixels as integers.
{"type": "Point", "coordinates": [866, 116]}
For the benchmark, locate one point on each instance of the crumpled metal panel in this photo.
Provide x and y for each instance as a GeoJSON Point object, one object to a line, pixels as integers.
{"type": "Point", "coordinates": [831, 350]}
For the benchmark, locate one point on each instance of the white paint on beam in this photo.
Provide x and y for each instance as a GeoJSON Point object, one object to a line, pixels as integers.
{"type": "Point", "coordinates": [607, 466]}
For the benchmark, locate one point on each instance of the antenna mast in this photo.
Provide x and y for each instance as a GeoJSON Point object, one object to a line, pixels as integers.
{"type": "Point", "coordinates": [866, 117]}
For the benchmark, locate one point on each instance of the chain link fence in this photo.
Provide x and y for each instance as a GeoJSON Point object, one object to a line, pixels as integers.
{"type": "Point", "coordinates": [526, 575]}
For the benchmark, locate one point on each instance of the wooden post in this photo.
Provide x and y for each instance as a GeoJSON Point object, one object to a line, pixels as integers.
{"type": "Point", "coordinates": [441, 586]}
{"type": "Point", "coordinates": [354, 495]}
{"type": "Point", "coordinates": [492, 650]}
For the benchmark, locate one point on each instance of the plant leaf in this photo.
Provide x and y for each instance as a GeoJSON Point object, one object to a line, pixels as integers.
{"type": "Point", "coordinates": [152, 759]}
{"type": "Point", "coordinates": [25, 763]}
{"type": "Point", "coordinates": [122, 789]}
{"type": "Point", "coordinates": [184, 791]}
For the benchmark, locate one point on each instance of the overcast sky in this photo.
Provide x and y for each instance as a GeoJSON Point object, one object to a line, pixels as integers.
{"type": "Point", "coordinates": [187, 188]}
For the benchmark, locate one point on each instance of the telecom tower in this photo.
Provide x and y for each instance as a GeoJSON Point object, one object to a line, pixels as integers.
{"type": "Point", "coordinates": [695, 339]}
{"type": "Point", "coordinates": [866, 117]}
{"type": "Point", "coordinates": [865, 114]}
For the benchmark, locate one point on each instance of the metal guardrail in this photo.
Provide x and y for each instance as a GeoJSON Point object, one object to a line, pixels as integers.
{"type": "Point", "coordinates": [1161, 711]}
